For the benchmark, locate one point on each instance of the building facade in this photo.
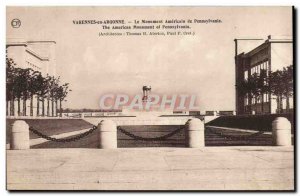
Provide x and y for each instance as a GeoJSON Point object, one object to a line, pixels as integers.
{"type": "Point", "coordinates": [273, 54]}
{"type": "Point", "coordinates": [39, 56]}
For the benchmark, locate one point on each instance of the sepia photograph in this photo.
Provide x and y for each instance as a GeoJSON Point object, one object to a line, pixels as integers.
{"type": "Point", "coordinates": [150, 98]}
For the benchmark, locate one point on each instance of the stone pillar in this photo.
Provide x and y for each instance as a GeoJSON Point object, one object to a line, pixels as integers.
{"type": "Point", "coordinates": [194, 135]}
{"type": "Point", "coordinates": [281, 132]}
{"type": "Point", "coordinates": [19, 136]}
{"type": "Point", "coordinates": [107, 134]}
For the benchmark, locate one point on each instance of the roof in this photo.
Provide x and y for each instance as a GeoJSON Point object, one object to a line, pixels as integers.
{"type": "Point", "coordinates": [271, 39]}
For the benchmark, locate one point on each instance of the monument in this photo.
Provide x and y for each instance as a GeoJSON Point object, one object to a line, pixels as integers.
{"type": "Point", "coordinates": [153, 112]}
{"type": "Point", "coordinates": [146, 91]}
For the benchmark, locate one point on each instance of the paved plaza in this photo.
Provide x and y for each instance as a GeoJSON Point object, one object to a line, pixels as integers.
{"type": "Point", "coordinates": [209, 168]}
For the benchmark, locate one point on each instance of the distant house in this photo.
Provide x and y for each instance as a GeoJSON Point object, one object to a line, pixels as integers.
{"type": "Point", "coordinates": [273, 54]}
{"type": "Point", "coordinates": [37, 55]}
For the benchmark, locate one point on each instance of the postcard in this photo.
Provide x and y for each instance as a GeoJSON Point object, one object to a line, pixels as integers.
{"type": "Point", "coordinates": [158, 98]}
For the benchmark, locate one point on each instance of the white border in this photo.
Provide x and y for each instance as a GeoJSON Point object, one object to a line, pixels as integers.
{"type": "Point", "coordinates": [151, 3]}
{"type": "Point", "coordinates": [5, 3]}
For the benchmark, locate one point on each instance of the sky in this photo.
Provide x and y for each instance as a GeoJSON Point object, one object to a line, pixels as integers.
{"type": "Point", "coordinates": [201, 65]}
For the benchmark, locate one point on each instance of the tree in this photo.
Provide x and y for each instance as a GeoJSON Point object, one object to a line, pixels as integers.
{"type": "Point", "coordinates": [245, 88]}
{"type": "Point", "coordinates": [26, 88]}
{"type": "Point", "coordinates": [43, 87]}
{"type": "Point", "coordinates": [277, 87]}
{"type": "Point", "coordinates": [36, 82]}
{"type": "Point", "coordinates": [61, 94]}
{"type": "Point", "coordinates": [262, 86]}
{"type": "Point", "coordinates": [10, 81]}
{"type": "Point", "coordinates": [254, 86]}
{"type": "Point", "coordinates": [22, 84]}
{"type": "Point", "coordinates": [288, 82]}
{"type": "Point", "coordinates": [20, 87]}
{"type": "Point", "coordinates": [252, 91]}
{"type": "Point", "coordinates": [53, 86]}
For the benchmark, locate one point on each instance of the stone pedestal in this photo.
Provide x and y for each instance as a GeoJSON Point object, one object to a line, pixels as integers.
{"type": "Point", "coordinates": [194, 135]}
{"type": "Point", "coordinates": [107, 134]}
{"type": "Point", "coordinates": [19, 136]}
{"type": "Point", "coordinates": [281, 132]}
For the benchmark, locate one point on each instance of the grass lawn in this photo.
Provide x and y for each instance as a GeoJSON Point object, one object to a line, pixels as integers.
{"type": "Point", "coordinates": [91, 141]}
{"type": "Point", "coordinates": [50, 126]}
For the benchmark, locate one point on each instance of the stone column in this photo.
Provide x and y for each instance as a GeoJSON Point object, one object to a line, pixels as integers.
{"type": "Point", "coordinates": [107, 134]}
{"type": "Point", "coordinates": [194, 134]}
{"type": "Point", "coordinates": [281, 132]}
{"type": "Point", "coordinates": [19, 136]}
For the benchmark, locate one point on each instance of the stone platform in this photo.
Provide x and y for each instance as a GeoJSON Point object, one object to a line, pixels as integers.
{"type": "Point", "coordinates": [209, 168]}
{"type": "Point", "coordinates": [121, 121]}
